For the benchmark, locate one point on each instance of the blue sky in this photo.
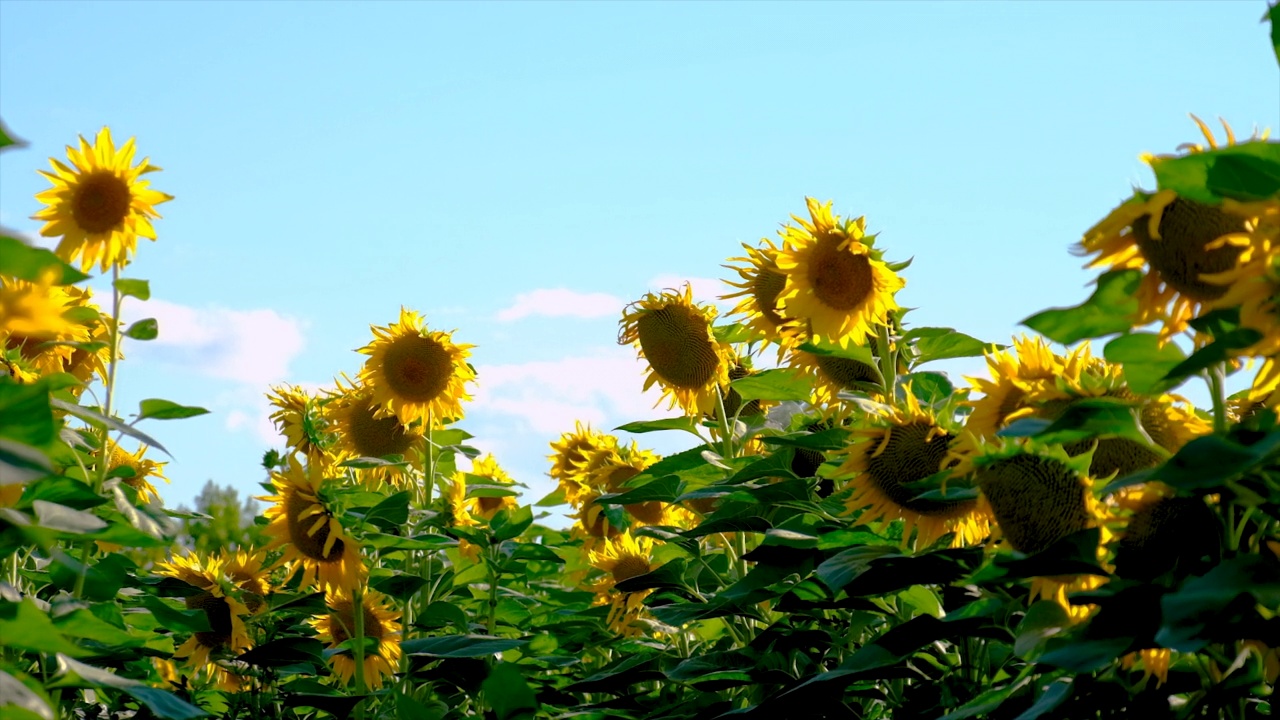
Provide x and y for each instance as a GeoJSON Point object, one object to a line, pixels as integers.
{"type": "Point", "coordinates": [519, 171]}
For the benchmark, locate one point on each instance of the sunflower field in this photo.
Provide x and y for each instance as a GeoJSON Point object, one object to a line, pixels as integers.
{"type": "Point", "coordinates": [850, 533]}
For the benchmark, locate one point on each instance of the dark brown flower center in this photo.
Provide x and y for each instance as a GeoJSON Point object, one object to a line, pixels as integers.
{"type": "Point", "coordinates": [342, 622]}
{"type": "Point", "coordinates": [417, 368]}
{"type": "Point", "coordinates": [310, 545]}
{"type": "Point", "coordinates": [375, 436]}
{"type": "Point", "coordinates": [1037, 501]}
{"type": "Point", "coordinates": [218, 613]}
{"type": "Point", "coordinates": [1180, 256]}
{"type": "Point", "coordinates": [910, 455]}
{"type": "Point", "coordinates": [678, 346]}
{"type": "Point", "coordinates": [649, 513]}
{"type": "Point", "coordinates": [765, 288]}
{"type": "Point", "coordinates": [844, 372]}
{"type": "Point", "coordinates": [840, 279]}
{"type": "Point", "coordinates": [101, 201]}
{"type": "Point", "coordinates": [629, 566]}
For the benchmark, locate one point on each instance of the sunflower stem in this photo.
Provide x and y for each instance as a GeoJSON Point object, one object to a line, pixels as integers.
{"type": "Point", "coordinates": [104, 452]}
{"type": "Point", "coordinates": [357, 614]}
{"type": "Point", "coordinates": [1217, 378]}
{"type": "Point", "coordinates": [726, 434]}
{"type": "Point", "coordinates": [888, 363]}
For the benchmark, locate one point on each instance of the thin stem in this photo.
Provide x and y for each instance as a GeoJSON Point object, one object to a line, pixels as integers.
{"type": "Point", "coordinates": [1217, 380]}
{"type": "Point", "coordinates": [726, 434]}
{"type": "Point", "coordinates": [357, 613]}
{"type": "Point", "coordinates": [888, 363]}
{"type": "Point", "coordinates": [494, 577]}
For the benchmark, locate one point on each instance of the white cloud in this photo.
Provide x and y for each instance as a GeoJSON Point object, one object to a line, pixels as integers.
{"type": "Point", "coordinates": [547, 396]}
{"type": "Point", "coordinates": [253, 347]}
{"type": "Point", "coordinates": [561, 302]}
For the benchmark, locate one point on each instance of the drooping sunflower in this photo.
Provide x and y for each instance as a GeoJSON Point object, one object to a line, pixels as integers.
{"type": "Point", "coordinates": [99, 204]}
{"type": "Point", "coordinates": [759, 287]}
{"type": "Point", "coordinates": [1038, 495]}
{"type": "Point", "coordinates": [224, 612]}
{"type": "Point", "coordinates": [1153, 661]}
{"type": "Point", "coordinates": [570, 452]}
{"type": "Point", "coordinates": [622, 558]}
{"type": "Point", "coordinates": [381, 623]}
{"type": "Point", "coordinates": [487, 470]}
{"type": "Point", "coordinates": [314, 541]}
{"type": "Point", "coordinates": [362, 429]}
{"type": "Point", "coordinates": [1177, 241]}
{"type": "Point", "coordinates": [136, 470]}
{"type": "Point", "coordinates": [1165, 532]}
{"type": "Point", "coordinates": [607, 471]}
{"type": "Point", "coordinates": [245, 570]}
{"type": "Point", "coordinates": [904, 446]}
{"type": "Point", "coordinates": [832, 375]}
{"type": "Point", "coordinates": [1254, 287]}
{"type": "Point", "coordinates": [1030, 366]}
{"type": "Point", "coordinates": [415, 373]}
{"type": "Point", "coordinates": [674, 336]}
{"type": "Point", "coordinates": [837, 283]}
{"type": "Point", "coordinates": [297, 417]}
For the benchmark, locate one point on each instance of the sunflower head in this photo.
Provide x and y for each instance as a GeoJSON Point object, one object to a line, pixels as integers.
{"type": "Point", "coordinates": [99, 204]}
{"type": "Point", "coordinates": [313, 539]}
{"type": "Point", "coordinates": [837, 285]}
{"type": "Point", "coordinates": [296, 415]}
{"type": "Point", "coordinates": [905, 446]}
{"type": "Point", "coordinates": [224, 612]}
{"type": "Point", "coordinates": [380, 622]}
{"type": "Point", "coordinates": [674, 336]}
{"type": "Point", "coordinates": [363, 428]}
{"type": "Point", "coordinates": [759, 285]}
{"type": "Point", "coordinates": [415, 373]}
{"type": "Point", "coordinates": [622, 558]}
{"type": "Point", "coordinates": [487, 471]}
{"type": "Point", "coordinates": [570, 457]}
{"type": "Point", "coordinates": [1014, 375]}
{"type": "Point", "coordinates": [832, 374]}
{"type": "Point", "coordinates": [1166, 532]}
{"type": "Point", "coordinates": [38, 319]}
{"type": "Point", "coordinates": [133, 470]}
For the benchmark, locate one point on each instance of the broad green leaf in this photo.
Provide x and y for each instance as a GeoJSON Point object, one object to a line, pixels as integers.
{"type": "Point", "coordinates": [986, 702]}
{"type": "Point", "coordinates": [1109, 310]}
{"type": "Point", "coordinates": [25, 627]}
{"type": "Point", "coordinates": [928, 387]}
{"type": "Point", "coordinates": [103, 578]}
{"type": "Point", "coordinates": [8, 139]}
{"type": "Point", "coordinates": [22, 261]}
{"type": "Point", "coordinates": [61, 490]}
{"type": "Point", "coordinates": [83, 624]}
{"type": "Point", "coordinates": [392, 513]}
{"type": "Point", "coordinates": [19, 701]}
{"type": "Point", "coordinates": [1245, 171]}
{"type": "Point", "coordinates": [1201, 610]}
{"type": "Point", "coordinates": [65, 519]}
{"type": "Point", "coordinates": [147, 329]}
{"type": "Point", "coordinates": [22, 463]}
{"type": "Point", "coordinates": [25, 413]}
{"type": "Point", "coordinates": [157, 409]}
{"type": "Point", "coordinates": [508, 694]}
{"type": "Point", "coordinates": [733, 333]}
{"type": "Point", "coordinates": [185, 621]}
{"type": "Point", "coordinates": [779, 384]}
{"type": "Point", "coordinates": [1146, 363]}
{"type": "Point", "coordinates": [1085, 655]}
{"type": "Point", "coordinates": [1043, 620]}
{"type": "Point", "coordinates": [934, 343]}
{"type": "Point", "coordinates": [829, 439]}
{"type": "Point", "coordinates": [1208, 462]}
{"type": "Point", "coordinates": [1053, 695]}
{"type": "Point", "coordinates": [1098, 417]}
{"type": "Point", "coordinates": [129, 287]}
{"type": "Point", "coordinates": [286, 651]}
{"type": "Point", "coordinates": [922, 600]}
{"type": "Point", "coordinates": [459, 646]}
{"type": "Point", "coordinates": [488, 489]}
{"type": "Point", "coordinates": [509, 524]}
{"type": "Point", "coordinates": [664, 489]}
{"type": "Point", "coordinates": [687, 424]}
{"type": "Point", "coordinates": [1220, 350]}
{"type": "Point", "coordinates": [72, 673]}
{"type": "Point", "coordinates": [97, 419]}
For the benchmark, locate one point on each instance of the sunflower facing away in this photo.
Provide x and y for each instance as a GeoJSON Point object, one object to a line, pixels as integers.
{"type": "Point", "coordinates": [136, 471]}
{"type": "Point", "coordinates": [832, 375]}
{"type": "Point", "coordinates": [1030, 366]}
{"type": "Point", "coordinates": [1254, 287]}
{"type": "Point", "coordinates": [1178, 241]}
{"type": "Point", "coordinates": [836, 282]}
{"type": "Point", "coordinates": [685, 359]}
{"type": "Point", "coordinates": [99, 204]}
{"type": "Point", "coordinates": [296, 416]}
{"type": "Point", "coordinates": [906, 446]}
{"type": "Point", "coordinates": [224, 612]}
{"type": "Point", "coordinates": [415, 373]}
{"type": "Point", "coordinates": [759, 287]}
{"type": "Point", "coordinates": [362, 430]}
{"type": "Point", "coordinates": [313, 539]}
{"type": "Point", "coordinates": [608, 470]}
{"type": "Point", "coordinates": [622, 558]}
{"type": "Point", "coordinates": [570, 453]}
{"type": "Point", "coordinates": [381, 623]}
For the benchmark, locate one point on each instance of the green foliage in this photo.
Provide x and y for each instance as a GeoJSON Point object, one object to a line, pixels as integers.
{"type": "Point", "coordinates": [221, 520]}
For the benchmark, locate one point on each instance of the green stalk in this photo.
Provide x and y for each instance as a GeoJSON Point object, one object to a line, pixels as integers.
{"type": "Point", "coordinates": [104, 453]}
{"type": "Point", "coordinates": [494, 579]}
{"type": "Point", "coordinates": [888, 363]}
{"type": "Point", "coordinates": [357, 613]}
{"type": "Point", "coordinates": [726, 433]}
{"type": "Point", "coordinates": [1217, 380]}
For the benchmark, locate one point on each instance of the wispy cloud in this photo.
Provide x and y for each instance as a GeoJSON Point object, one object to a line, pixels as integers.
{"type": "Point", "coordinates": [561, 302]}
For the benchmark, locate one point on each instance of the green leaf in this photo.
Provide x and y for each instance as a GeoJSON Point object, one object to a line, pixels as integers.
{"type": "Point", "coordinates": [128, 287]}
{"type": "Point", "coordinates": [286, 651]}
{"type": "Point", "coordinates": [25, 627]}
{"type": "Point", "coordinates": [1245, 171]}
{"type": "Point", "coordinates": [1111, 309]}
{"type": "Point", "coordinates": [733, 333]}
{"type": "Point", "coordinates": [22, 261]}
{"type": "Point", "coordinates": [1146, 363]}
{"type": "Point", "coordinates": [1207, 462]}
{"type": "Point", "coordinates": [97, 419]}
{"type": "Point", "coordinates": [65, 519]}
{"type": "Point", "coordinates": [83, 624]}
{"type": "Point", "coordinates": [687, 424]}
{"type": "Point", "coordinates": [392, 513]}
{"type": "Point", "coordinates": [481, 489]}
{"type": "Point", "coordinates": [147, 329]}
{"type": "Point", "coordinates": [664, 489]}
{"type": "Point", "coordinates": [72, 673]}
{"type": "Point", "coordinates": [780, 384]}
{"type": "Point", "coordinates": [507, 525]}
{"type": "Point", "coordinates": [929, 387]}
{"type": "Point", "coordinates": [7, 138]}
{"type": "Point", "coordinates": [1098, 417]}
{"type": "Point", "coordinates": [829, 439]}
{"type": "Point", "coordinates": [1053, 695]}
{"type": "Point", "coordinates": [18, 701]}
{"type": "Point", "coordinates": [508, 694]}
{"type": "Point", "coordinates": [933, 343]}
{"type": "Point", "coordinates": [157, 409]}
{"type": "Point", "coordinates": [184, 621]}
{"type": "Point", "coordinates": [459, 646]}
{"type": "Point", "coordinates": [25, 413]}
{"type": "Point", "coordinates": [1043, 620]}
{"type": "Point", "coordinates": [1203, 609]}
{"type": "Point", "coordinates": [1218, 351]}
{"type": "Point", "coordinates": [61, 490]}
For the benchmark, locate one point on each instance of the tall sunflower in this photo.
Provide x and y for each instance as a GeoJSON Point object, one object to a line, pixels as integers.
{"type": "Point", "coordinates": [224, 612]}
{"type": "Point", "coordinates": [99, 204]}
{"type": "Point", "coordinates": [904, 446]}
{"type": "Point", "coordinates": [570, 453]}
{"type": "Point", "coordinates": [415, 373]}
{"type": "Point", "coordinates": [836, 282]}
{"type": "Point", "coordinates": [486, 468]}
{"type": "Point", "coordinates": [297, 417]}
{"type": "Point", "coordinates": [1177, 241]}
{"type": "Point", "coordinates": [622, 558]}
{"type": "Point", "coordinates": [314, 541]}
{"type": "Point", "coordinates": [362, 429]}
{"type": "Point", "coordinates": [760, 284]}
{"type": "Point", "coordinates": [685, 359]}
{"type": "Point", "coordinates": [136, 470]}
{"type": "Point", "coordinates": [381, 623]}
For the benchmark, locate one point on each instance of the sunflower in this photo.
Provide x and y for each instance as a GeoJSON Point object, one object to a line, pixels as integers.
{"type": "Point", "coordinates": [416, 373]}
{"type": "Point", "coordinates": [1254, 287]}
{"type": "Point", "coordinates": [99, 205]}
{"type": "Point", "coordinates": [1038, 495]}
{"type": "Point", "coordinates": [297, 417]}
{"type": "Point", "coordinates": [592, 524]}
{"type": "Point", "coordinates": [1178, 241]}
{"type": "Point", "coordinates": [136, 471]}
{"type": "Point", "coordinates": [733, 405]}
{"type": "Point", "coordinates": [836, 282]}
{"type": "Point", "coordinates": [487, 470]}
{"type": "Point", "coordinates": [1030, 366]}
{"type": "Point", "coordinates": [674, 336]}
{"type": "Point", "coordinates": [313, 539]}
{"type": "Point", "coordinates": [1154, 662]}
{"type": "Point", "coordinates": [1165, 532]}
{"type": "Point", "coordinates": [455, 497]}
{"type": "Point", "coordinates": [571, 452]}
{"type": "Point", "coordinates": [245, 570]}
{"type": "Point", "coordinates": [608, 470]}
{"type": "Point", "coordinates": [380, 622]}
{"type": "Point", "coordinates": [363, 430]}
{"type": "Point", "coordinates": [38, 323]}
{"type": "Point", "coordinates": [224, 612]}
{"type": "Point", "coordinates": [760, 285]}
{"type": "Point", "coordinates": [904, 446]}
{"type": "Point", "coordinates": [622, 558]}
{"type": "Point", "coordinates": [832, 375]}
